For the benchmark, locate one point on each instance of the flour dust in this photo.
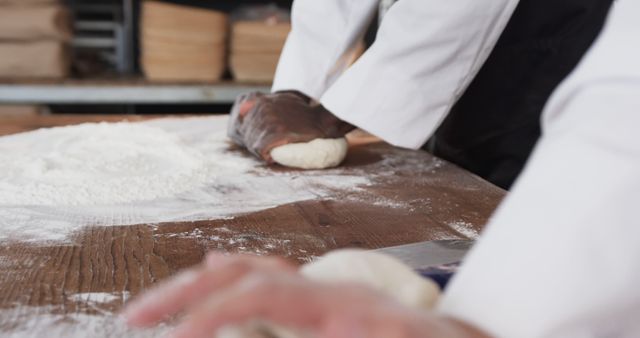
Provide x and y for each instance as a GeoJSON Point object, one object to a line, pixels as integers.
{"type": "Point", "coordinates": [56, 181]}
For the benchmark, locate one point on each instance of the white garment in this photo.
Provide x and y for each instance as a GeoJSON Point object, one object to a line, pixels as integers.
{"type": "Point", "coordinates": [561, 257]}
{"type": "Point", "coordinates": [423, 46]}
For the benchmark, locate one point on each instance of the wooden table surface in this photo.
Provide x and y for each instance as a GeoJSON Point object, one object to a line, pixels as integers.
{"type": "Point", "coordinates": [75, 288]}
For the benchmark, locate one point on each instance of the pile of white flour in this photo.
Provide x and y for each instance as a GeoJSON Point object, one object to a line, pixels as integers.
{"type": "Point", "coordinates": [96, 164]}
{"type": "Point", "coordinates": [56, 181]}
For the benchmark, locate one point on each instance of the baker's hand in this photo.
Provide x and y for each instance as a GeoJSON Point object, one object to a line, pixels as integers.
{"type": "Point", "coordinates": [261, 122]}
{"type": "Point", "coordinates": [228, 290]}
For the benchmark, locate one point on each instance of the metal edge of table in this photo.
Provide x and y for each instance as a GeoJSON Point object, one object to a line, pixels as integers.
{"type": "Point", "coordinates": [125, 92]}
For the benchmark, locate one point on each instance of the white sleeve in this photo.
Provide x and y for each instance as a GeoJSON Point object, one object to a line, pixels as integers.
{"type": "Point", "coordinates": [561, 258]}
{"type": "Point", "coordinates": [322, 43]}
{"type": "Point", "coordinates": [425, 55]}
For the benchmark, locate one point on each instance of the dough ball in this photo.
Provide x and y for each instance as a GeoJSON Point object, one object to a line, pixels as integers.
{"type": "Point", "coordinates": [378, 271]}
{"type": "Point", "coordinates": [317, 154]}
{"type": "Point", "coordinates": [381, 272]}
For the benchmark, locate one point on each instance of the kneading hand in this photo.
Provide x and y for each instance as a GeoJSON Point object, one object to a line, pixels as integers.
{"type": "Point", "coordinates": [261, 122]}
{"type": "Point", "coordinates": [231, 290]}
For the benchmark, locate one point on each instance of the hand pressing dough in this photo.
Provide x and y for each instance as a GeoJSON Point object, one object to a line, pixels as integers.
{"type": "Point", "coordinates": [375, 270]}
{"type": "Point", "coordinates": [317, 154]}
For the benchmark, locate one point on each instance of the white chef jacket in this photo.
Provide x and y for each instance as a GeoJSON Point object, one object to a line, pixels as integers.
{"type": "Point", "coordinates": [561, 256]}
{"type": "Point", "coordinates": [425, 55]}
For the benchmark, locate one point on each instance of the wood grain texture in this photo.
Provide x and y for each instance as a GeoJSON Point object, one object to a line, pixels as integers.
{"type": "Point", "coordinates": [182, 43]}
{"type": "Point", "coordinates": [46, 59]}
{"type": "Point", "coordinates": [29, 23]}
{"type": "Point", "coordinates": [75, 288]}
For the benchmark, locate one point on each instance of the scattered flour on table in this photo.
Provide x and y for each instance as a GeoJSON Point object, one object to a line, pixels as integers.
{"type": "Point", "coordinates": [52, 321]}
{"type": "Point", "coordinates": [56, 181]}
{"type": "Point", "coordinates": [99, 297]}
{"type": "Point", "coordinates": [465, 229]}
{"type": "Point", "coordinates": [97, 164]}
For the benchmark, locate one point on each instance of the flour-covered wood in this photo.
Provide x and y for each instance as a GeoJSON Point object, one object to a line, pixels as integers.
{"type": "Point", "coordinates": [75, 287]}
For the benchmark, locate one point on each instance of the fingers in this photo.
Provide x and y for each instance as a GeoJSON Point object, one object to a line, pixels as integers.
{"type": "Point", "coordinates": [173, 296]}
{"type": "Point", "coordinates": [250, 263]}
{"type": "Point", "coordinates": [190, 287]}
{"type": "Point", "coordinates": [245, 107]}
{"type": "Point", "coordinates": [284, 300]}
{"type": "Point", "coordinates": [329, 311]}
{"type": "Point", "coordinates": [263, 122]}
{"type": "Point", "coordinates": [230, 290]}
{"type": "Point", "coordinates": [242, 106]}
{"type": "Point", "coordinates": [247, 102]}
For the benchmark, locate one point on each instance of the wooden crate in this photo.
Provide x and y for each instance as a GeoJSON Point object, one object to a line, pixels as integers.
{"type": "Point", "coordinates": [182, 43]}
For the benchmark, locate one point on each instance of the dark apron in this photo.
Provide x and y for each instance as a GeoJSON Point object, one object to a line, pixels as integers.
{"type": "Point", "coordinates": [493, 128]}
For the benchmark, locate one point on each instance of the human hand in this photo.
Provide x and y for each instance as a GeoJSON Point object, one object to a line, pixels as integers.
{"type": "Point", "coordinates": [231, 290]}
{"type": "Point", "coordinates": [261, 122]}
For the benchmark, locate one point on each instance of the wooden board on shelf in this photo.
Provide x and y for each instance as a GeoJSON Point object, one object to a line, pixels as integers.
{"type": "Point", "coordinates": [27, 2]}
{"type": "Point", "coordinates": [184, 18]}
{"type": "Point", "coordinates": [182, 43]}
{"type": "Point", "coordinates": [258, 37]}
{"type": "Point", "coordinates": [35, 23]}
{"type": "Point", "coordinates": [39, 59]}
{"type": "Point", "coordinates": [193, 68]}
{"type": "Point", "coordinates": [253, 66]}
{"type": "Point", "coordinates": [177, 36]}
{"type": "Point", "coordinates": [20, 111]}
{"type": "Point", "coordinates": [256, 48]}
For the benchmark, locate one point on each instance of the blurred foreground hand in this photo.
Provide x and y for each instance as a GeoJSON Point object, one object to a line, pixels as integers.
{"type": "Point", "coordinates": [232, 290]}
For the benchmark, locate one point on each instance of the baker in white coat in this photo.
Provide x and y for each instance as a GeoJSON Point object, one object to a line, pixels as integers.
{"type": "Point", "coordinates": [472, 75]}
{"type": "Point", "coordinates": [560, 258]}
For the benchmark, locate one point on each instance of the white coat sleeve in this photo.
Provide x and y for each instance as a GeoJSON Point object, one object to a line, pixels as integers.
{"type": "Point", "coordinates": [561, 256]}
{"type": "Point", "coordinates": [425, 55]}
{"type": "Point", "coordinates": [322, 43]}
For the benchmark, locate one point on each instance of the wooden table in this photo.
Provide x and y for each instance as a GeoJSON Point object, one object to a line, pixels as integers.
{"type": "Point", "coordinates": [75, 289]}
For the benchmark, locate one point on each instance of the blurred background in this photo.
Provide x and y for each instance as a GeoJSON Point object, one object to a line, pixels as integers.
{"type": "Point", "coordinates": [138, 57]}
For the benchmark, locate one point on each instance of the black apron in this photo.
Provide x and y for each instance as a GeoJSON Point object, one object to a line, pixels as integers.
{"type": "Point", "coordinates": [493, 128]}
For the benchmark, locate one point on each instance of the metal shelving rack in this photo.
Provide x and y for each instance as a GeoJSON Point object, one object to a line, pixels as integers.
{"type": "Point", "coordinates": [106, 29]}
{"type": "Point", "coordinates": [131, 92]}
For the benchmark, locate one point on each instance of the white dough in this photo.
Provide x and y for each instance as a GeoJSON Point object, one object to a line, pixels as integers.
{"type": "Point", "coordinates": [378, 271]}
{"type": "Point", "coordinates": [317, 154]}
{"type": "Point", "coordinates": [375, 270]}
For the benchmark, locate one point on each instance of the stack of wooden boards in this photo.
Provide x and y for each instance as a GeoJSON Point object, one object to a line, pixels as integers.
{"type": "Point", "coordinates": [34, 36]}
{"type": "Point", "coordinates": [182, 43]}
{"type": "Point", "coordinates": [189, 44]}
{"type": "Point", "coordinates": [256, 48]}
